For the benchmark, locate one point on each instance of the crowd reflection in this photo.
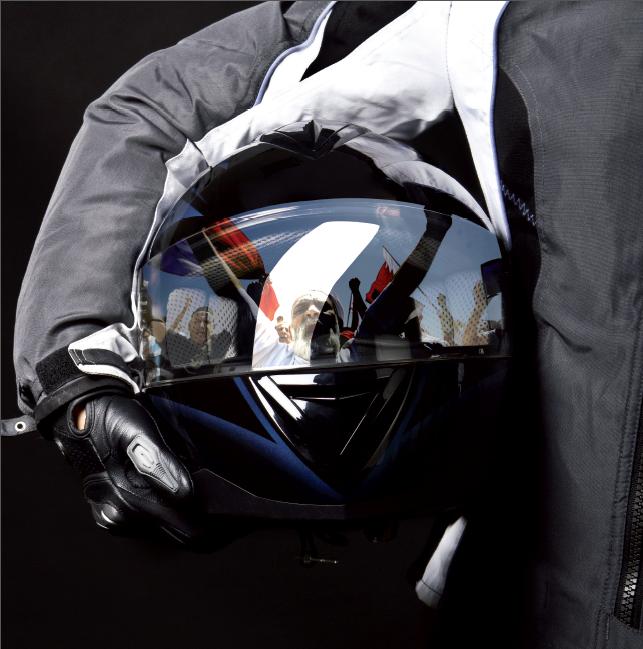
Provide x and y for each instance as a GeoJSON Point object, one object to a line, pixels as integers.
{"type": "Point", "coordinates": [258, 325]}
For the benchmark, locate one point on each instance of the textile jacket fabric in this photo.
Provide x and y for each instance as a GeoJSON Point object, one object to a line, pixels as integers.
{"type": "Point", "coordinates": [534, 109]}
{"type": "Point", "coordinates": [116, 170]}
{"type": "Point", "coordinates": [578, 70]}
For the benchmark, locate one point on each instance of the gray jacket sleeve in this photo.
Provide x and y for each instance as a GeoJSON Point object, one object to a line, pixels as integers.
{"type": "Point", "coordinates": [79, 276]}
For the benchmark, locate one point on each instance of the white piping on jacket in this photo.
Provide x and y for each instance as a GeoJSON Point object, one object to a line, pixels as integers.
{"type": "Point", "coordinates": [288, 68]}
{"type": "Point", "coordinates": [472, 28]}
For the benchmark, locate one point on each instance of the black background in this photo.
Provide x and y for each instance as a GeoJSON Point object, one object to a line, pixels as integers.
{"type": "Point", "coordinates": [65, 582]}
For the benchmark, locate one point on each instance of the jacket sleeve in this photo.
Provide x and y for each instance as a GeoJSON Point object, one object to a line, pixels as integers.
{"type": "Point", "coordinates": [79, 278]}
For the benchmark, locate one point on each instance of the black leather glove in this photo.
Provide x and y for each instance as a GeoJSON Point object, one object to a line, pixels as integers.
{"type": "Point", "coordinates": [130, 477]}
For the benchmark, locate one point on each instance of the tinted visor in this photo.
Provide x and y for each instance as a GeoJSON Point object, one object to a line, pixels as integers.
{"type": "Point", "coordinates": [321, 284]}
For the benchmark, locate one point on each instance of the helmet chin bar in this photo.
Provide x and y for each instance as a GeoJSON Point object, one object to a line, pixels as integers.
{"type": "Point", "coordinates": [338, 423]}
{"type": "Point", "coordinates": [349, 444]}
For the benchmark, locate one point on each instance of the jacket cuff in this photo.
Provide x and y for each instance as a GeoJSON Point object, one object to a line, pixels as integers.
{"type": "Point", "coordinates": [63, 382]}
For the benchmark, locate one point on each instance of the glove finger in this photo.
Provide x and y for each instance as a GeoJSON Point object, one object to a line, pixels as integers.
{"type": "Point", "coordinates": [121, 511]}
{"type": "Point", "coordinates": [159, 467]}
{"type": "Point", "coordinates": [183, 523]}
{"type": "Point", "coordinates": [134, 434]}
{"type": "Point", "coordinates": [108, 509]}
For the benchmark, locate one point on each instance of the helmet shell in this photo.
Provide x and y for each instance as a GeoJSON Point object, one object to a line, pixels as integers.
{"type": "Point", "coordinates": [324, 439]}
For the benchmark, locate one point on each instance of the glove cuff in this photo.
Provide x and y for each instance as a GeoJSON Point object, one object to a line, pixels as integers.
{"type": "Point", "coordinates": [85, 388]}
{"type": "Point", "coordinates": [53, 407]}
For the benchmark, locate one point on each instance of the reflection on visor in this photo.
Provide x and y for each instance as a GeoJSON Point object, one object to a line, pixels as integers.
{"type": "Point", "coordinates": [302, 281]}
{"type": "Point", "coordinates": [321, 284]}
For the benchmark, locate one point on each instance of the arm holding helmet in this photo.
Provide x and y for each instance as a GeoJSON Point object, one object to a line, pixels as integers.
{"type": "Point", "coordinates": [104, 204]}
{"type": "Point", "coordinates": [78, 283]}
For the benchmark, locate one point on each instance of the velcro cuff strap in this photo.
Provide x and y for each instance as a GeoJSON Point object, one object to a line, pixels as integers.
{"type": "Point", "coordinates": [57, 369]}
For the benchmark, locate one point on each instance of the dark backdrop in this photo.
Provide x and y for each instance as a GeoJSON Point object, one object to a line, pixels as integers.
{"type": "Point", "coordinates": [65, 583]}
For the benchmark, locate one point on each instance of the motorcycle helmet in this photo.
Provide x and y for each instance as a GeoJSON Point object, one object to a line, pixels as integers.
{"type": "Point", "coordinates": [323, 329]}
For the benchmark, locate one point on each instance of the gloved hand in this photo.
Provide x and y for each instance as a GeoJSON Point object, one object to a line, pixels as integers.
{"type": "Point", "coordinates": [130, 477]}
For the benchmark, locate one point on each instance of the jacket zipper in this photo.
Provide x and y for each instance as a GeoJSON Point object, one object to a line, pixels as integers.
{"type": "Point", "coordinates": [629, 600]}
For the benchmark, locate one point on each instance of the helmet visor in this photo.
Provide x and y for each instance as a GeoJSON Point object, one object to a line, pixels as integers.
{"type": "Point", "coordinates": [321, 284]}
